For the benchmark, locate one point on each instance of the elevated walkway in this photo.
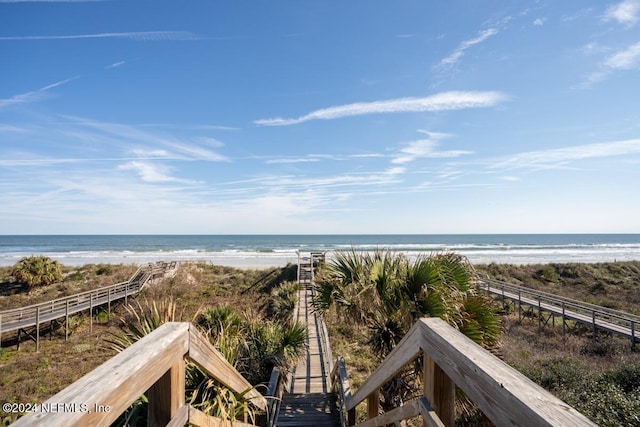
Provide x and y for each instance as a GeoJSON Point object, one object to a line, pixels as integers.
{"type": "Point", "coordinates": [309, 401]}
{"type": "Point", "coordinates": [447, 360]}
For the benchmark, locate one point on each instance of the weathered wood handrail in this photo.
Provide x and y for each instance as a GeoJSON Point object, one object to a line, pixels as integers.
{"type": "Point", "coordinates": [32, 315]}
{"type": "Point", "coordinates": [598, 317]}
{"type": "Point", "coordinates": [155, 363]}
{"type": "Point", "coordinates": [450, 359]}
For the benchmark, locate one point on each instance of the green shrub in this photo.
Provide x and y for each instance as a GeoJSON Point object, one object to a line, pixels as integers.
{"type": "Point", "coordinates": [104, 269]}
{"type": "Point", "coordinates": [37, 271]}
{"type": "Point", "coordinates": [610, 398]}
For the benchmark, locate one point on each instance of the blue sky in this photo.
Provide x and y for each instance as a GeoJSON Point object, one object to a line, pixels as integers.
{"type": "Point", "coordinates": [319, 117]}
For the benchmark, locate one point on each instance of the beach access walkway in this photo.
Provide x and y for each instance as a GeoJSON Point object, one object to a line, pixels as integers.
{"type": "Point", "coordinates": [594, 317]}
{"type": "Point", "coordinates": [309, 400]}
{"type": "Point", "coordinates": [316, 393]}
{"type": "Point", "coordinates": [27, 321]}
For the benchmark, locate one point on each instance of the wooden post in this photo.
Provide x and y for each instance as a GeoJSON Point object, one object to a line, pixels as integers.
{"type": "Point", "coordinates": [593, 320]}
{"type": "Point", "coordinates": [66, 321]}
{"type": "Point", "coordinates": [519, 305]}
{"type": "Point", "coordinates": [351, 417]}
{"type": "Point", "coordinates": [166, 396]}
{"type": "Point", "coordinates": [373, 402]}
{"type": "Point", "coordinates": [539, 315]}
{"type": "Point", "coordinates": [633, 334]}
{"type": "Point", "coordinates": [37, 329]}
{"type": "Point", "coordinates": [440, 391]}
{"type": "Point", "coordinates": [564, 321]}
{"type": "Point", "coordinates": [109, 303]}
{"type": "Point", "coordinates": [91, 313]}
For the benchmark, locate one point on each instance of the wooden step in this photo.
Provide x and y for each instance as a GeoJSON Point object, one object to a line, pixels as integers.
{"type": "Point", "coordinates": [308, 409]}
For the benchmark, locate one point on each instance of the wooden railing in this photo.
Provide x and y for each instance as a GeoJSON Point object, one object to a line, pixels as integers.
{"type": "Point", "coordinates": [34, 315]}
{"type": "Point", "coordinates": [594, 316]}
{"type": "Point", "coordinates": [155, 364]}
{"type": "Point", "coordinates": [450, 359]}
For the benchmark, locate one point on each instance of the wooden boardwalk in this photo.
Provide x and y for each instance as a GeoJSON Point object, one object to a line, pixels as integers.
{"type": "Point", "coordinates": [595, 317]}
{"type": "Point", "coordinates": [33, 316]}
{"type": "Point", "coordinates": [309, 401]}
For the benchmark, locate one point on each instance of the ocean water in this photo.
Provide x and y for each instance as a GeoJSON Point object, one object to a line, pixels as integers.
{"type": "Point", "coordinates": [278, 250]}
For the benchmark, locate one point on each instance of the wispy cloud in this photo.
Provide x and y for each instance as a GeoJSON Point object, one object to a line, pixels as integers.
{"type": "Point", "coordinates": [426, 148]}
{"type": "Point", "coordinates": [135, 35]}
{"type": "Point", "coordinates": [293, 160]}
{"type": "Point", "coordinates": [153, 173]}
{"type": "Point", "coordinates": [134, 138]}
{"type": "Point", "coordinates": [439, 102]}
{"type": "Point", "coordinates": [458, 53]}
{"type": "Point", "coordinates": [626, 12]}
{"type": "Point", "coordinates": [559, 157]}
{"type": "Point", "coordinates": [33, 96]}
{"type": "Point", "coordinates": [115, 65]}
{"type": "Point", "coordinates": [539, 22]}
{"type": "Point", "coordinates": [626, 59]}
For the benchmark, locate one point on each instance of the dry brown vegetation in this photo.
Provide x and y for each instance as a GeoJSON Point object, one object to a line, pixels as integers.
{"type": "Point", "coordinates": [569, 367]}
{"type": "Point", "coordinates": [29, 377]}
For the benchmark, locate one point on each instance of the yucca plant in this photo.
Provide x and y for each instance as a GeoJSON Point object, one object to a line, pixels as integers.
{"type": "Point", "coordinates": [141, 318]}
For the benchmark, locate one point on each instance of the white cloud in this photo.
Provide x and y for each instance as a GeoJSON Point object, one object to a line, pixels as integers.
{"type": "Point", "coordinates": [133, 35]}
{"type": "Point", "coordinates": [625, 12]}
{"type": "Point", "coordinates": [33, 96]}
{"type": "Point", "coordinates": [438, 102]}
{"type": "Point", "coordinates": [151, 153]}
{"type": "Point", "coordinates": [116, 65]}
{"type": "Point", "coordinates": [561, 156]}
{"type": "Point", "coordinates": [152, 173]}
{"type": "Point", "coordinates": [626, 59]}
{"type": "Point", "coordinates": [539, 21]}
{"type": "Point", "coordinates": [454, 57]}
{"type": "Point", "coordinates": [132, 136]}
{"type": "Point", "coordinates": [426, 148]}
{"type": "Point", "coordinates": [292, 160]}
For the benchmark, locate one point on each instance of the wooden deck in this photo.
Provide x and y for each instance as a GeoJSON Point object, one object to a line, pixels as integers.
{"type": "Point", "coordinates": [309, 401]}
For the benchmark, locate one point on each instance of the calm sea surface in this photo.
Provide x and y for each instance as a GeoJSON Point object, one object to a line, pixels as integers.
{"type": "Point", "coordinates": [268, 250]}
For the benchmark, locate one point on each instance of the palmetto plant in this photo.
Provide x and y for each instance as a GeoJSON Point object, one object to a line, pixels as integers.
{"type": "Point", "coordinates": [37, 271]}
{"type": "Point", "coordinates": [388, 293]}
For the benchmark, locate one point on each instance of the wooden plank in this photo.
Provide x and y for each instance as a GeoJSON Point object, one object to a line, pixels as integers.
{"type": "Point", "coordinates": [406, 351]}
{"type": "Point", "coordinates": [117, 383]}
{"type": "Point", "coordinates": [429, 416]}
{"type": "Point", "coordinates": [439, 390]}
{"type": "Point", "coordinates": [166, 396]}
{"type": "Point", "coordinates": [373, 404]}
{"type": "Point", "coordinates": [216, 366]}
{"type": "Point", "coordinates": [503, 394]}
{"type": "Point", "coordinates": [396, 414]}
{"type": "Point", "coordinates": [180, 419]}
{"type": "Point", "coordinates": [200, 419]}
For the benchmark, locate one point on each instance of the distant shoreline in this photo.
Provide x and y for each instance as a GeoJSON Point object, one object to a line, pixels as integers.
{"type": "Point", "coordinates": [259, 261]}
{"type": "Point", "coordinates": [261, 251]}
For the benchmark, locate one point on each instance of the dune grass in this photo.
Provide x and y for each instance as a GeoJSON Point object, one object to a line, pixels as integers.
{"type": "Point", "coordinates": [29, 377]}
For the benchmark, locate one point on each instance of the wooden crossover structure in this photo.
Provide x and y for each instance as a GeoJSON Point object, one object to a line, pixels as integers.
{"type": "Point", "coordinates": [317, 392]}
